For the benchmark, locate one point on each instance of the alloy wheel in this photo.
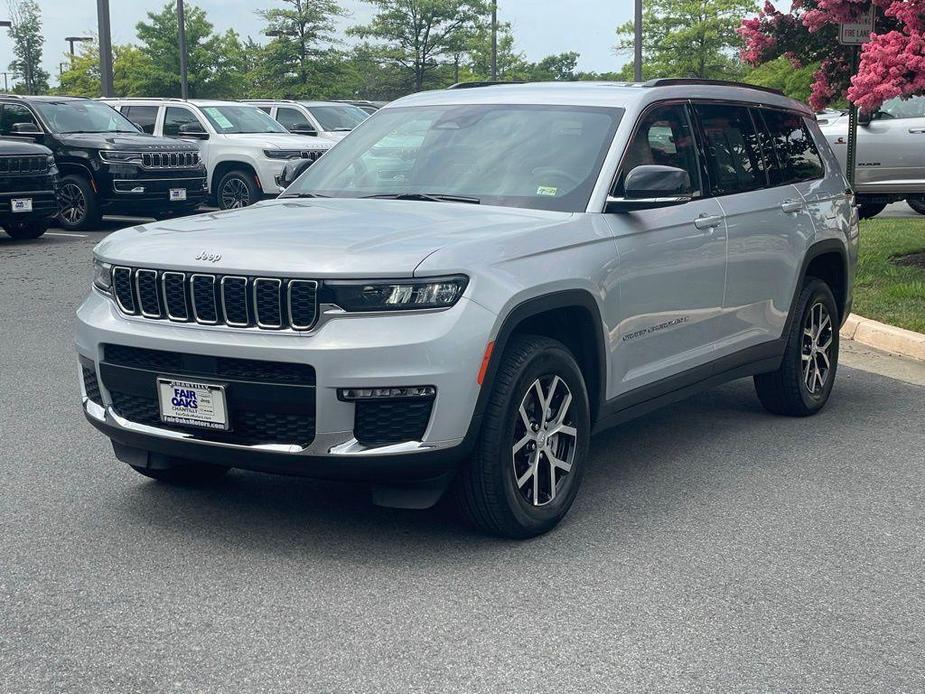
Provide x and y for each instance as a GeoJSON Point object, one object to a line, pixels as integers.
{"type": "Point", "coordinates": [545, 440]}
{"type": "Point", "coordinates": [235, 194]}
{"type": "Point", "coordinates": [73, 204]}
{"type": "Point", "coordinates": [818, 336]}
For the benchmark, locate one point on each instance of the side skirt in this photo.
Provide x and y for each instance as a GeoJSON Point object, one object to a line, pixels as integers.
{"type": "Point", "coordinates": [749, 362]}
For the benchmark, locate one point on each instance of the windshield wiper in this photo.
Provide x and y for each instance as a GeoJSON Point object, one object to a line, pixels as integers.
{"type": "Point", "coordinates": [426, 197]}
{"type": "Point", "coordinates": [342, 130]}
{"type": "Point", "coordinates": [304, 195]}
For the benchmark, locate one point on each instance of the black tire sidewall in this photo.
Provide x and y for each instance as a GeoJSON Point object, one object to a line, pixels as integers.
{"type": "Point", "coordinates": [917, 204]}
{"type": "Point", "coordinates": [26, 230]}
{"type": "Point", "coordinates": [91, 214]}
{"type": "Point", "coordinates": [253, 191]}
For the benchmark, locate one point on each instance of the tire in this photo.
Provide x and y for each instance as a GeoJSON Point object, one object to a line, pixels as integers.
{"type": "Point", "coordinates": [30, 229]}
{"type": "Point", "coordinates": [917, 204]}
{"type": "Point", "coordinates": [184, 473]}
{"type": "Point", "coordinates": [486, 491]}
{"type": "Point", "coordinates": [869, 210]}
{"type": "Point", "coordinates": [79, 205]}
{"type": "Point", "coordinates": [237, 189]}
{"type": "Point", "coordinates": [811, 356]}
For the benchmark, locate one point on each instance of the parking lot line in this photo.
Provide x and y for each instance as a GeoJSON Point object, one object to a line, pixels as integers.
{"type": "Point", "coordinates": [64, 233]}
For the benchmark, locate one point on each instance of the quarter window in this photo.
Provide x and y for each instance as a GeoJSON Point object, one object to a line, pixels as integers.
{"type": "Point", "coordinates": [734, 158]}
{"type": "Point", "coordinates": [142, 116]}
{"type": "Point", "coordinates": [664, 136]}
{"type": "Point", "coordinates": [794, 156]}
{"type": "Point", "coordinates": [174, 118]}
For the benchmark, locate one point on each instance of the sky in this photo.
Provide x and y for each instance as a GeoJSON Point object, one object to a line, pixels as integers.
{"type": "Point", "coordinates": [541, 27]}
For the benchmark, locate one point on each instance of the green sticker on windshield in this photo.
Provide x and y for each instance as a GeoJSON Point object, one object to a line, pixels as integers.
{"type": "Point", "coordinates": [547, 191]}
{"type": "Point", "coordinates": [219, 118]}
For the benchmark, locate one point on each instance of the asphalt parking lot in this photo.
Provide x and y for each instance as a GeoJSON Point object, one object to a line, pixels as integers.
{"type": "Point", "coordinates": [713, 548]}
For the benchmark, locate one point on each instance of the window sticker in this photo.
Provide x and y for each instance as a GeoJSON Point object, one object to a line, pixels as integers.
{"type": "Point", "coordinates": [547, 191]}
{"type": "Point", "coordinates": [219, 117]}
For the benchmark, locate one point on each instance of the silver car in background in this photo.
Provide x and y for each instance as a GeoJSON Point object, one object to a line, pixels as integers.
{"type": "Point", "coordinates": [471, 284]}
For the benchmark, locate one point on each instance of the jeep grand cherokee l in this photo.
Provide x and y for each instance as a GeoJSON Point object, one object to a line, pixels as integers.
{"type": "Point", "coordinates": [28, 189]}
{"type": "Point", "coordinates": [107, 165]}
{"type": "Point", "coordinates": [474, 282]}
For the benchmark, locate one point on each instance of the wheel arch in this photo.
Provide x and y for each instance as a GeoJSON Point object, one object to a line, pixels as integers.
{"type": "Point", "coordinates": [69, 168]}
{"type": "Point", "coordinates": [225, 166]}
{"type": "Point", "coordinates": [826, 260]}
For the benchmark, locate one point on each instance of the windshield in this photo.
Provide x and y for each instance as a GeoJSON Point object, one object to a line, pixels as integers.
{"type": "Point", "coordinates": [540, 157]}
{"type": "Point", "coordinates": [230, 120]}
{"type": "Point", "coordinates": [338, 117]}
{"type": "Point", "coordinates": [80, 116]}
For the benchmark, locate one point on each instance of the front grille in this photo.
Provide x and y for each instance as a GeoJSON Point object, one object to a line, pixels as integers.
{"type": "Point", "coordinates": [92, 385]}
{"type": "Point", "coordinates": [382, 422]}
{"type": "Point", "coordinates": [239, 302]}
{"type": "Point", "coordinates": [29, 165]}
{"type": "Point", "coordinates": [170, 160]}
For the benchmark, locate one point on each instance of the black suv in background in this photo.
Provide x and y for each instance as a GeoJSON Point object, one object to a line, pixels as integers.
{"type": "Point", "coordinates": [107, 164]}
{"type": "Point", "coordinates": [28, 189]}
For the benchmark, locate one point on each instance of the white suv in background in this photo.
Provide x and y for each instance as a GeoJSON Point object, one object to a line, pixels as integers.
{"type": "Point", "coordinates": [244, 150]}
{"type": "Point", "coordinates": [328, 119]}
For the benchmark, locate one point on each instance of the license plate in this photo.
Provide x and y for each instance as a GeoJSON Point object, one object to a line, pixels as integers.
{"type": "Point", "coordinates": [22, 204]}
{"type": "Point", "coordinates": [177, 194]}
{"type": "Point", "coordinates": [192, 404]}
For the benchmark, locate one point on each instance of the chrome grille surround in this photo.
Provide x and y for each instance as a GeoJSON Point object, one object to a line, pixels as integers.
{"type": "Point", "coordinates": [23, 165]}
{"type": "Point", "coordinates": [170, 160]}
{"type": "Point", "coordinates": [235, 301]}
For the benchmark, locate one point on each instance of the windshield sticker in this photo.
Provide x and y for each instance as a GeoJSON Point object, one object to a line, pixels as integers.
{"type": "Point", "coordinates": [219, 118]}
{"type": "Point", "coordinates": [547, 191]}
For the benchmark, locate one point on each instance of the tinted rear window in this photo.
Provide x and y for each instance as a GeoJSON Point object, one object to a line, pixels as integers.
{"type": "Point", "coordinates": [794, 156]}
{"type": "Point", "coordinates": [733, 154]}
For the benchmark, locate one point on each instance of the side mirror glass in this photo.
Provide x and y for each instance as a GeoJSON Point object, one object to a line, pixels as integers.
{"type": "Point", "coordinates": [652, 186]}
{"type": "Point", "coordinates": [194, 131]}
{"type": "Point", "coordinates": [25, 129]}
{"type": "Point", "coordinates": [293, 169]}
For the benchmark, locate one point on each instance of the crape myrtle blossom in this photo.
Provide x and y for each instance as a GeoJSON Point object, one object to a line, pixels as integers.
{"type": "Point", "coordinates": [892, 63]}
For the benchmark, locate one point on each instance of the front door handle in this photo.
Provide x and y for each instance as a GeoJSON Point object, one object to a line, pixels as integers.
{"type": "Point", "coordinates": [917, 131]}
{"type": "Point", "coordinates": [708, 222]}
{"type": "Point", "coordinates": [792, 206]}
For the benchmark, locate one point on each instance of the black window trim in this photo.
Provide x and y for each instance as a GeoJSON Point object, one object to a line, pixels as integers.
{"type": "Point", "coordinates": [761, 108]}
{"type": "Point", "coordinates": [747, 105]}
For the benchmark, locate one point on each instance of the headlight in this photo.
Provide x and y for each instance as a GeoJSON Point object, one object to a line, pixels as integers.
{"type": "Point", "coordinates": [282, 153]}
{"type": "Point", "coordinates": [102, 276]}
{"type": "Point", "coordinates": [402, 295]}
{"type": "Point", "coordinates": [111, 157]}
{"type": "Point", "coordinates": [52, 165]}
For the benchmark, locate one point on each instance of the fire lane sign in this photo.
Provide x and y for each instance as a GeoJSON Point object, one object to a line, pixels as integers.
{"type": "Point", "coordinates": [858, 32]}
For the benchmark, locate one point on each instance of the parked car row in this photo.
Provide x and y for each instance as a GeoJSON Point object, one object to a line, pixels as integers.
{"type": "Point", "coordinates": [154, 157]}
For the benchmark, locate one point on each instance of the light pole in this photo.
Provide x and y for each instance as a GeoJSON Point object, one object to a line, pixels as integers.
{"type": "Point", "coordinates": [181, 28]}
{"type": "Point", "coordinates": [102, 14]}
{"type": "Point", "coordinates": [637, 44]}
{"type": "Point", "coordinates": [76, 39]}
{"type": "Point", "coordinates": [494, 40]}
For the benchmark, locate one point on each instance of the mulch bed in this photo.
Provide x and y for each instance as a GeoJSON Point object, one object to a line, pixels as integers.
{"type": "Point", "coordinates": [911, 260]}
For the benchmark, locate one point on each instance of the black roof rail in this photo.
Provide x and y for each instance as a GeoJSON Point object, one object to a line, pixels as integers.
{"type": "Point", "coordinates": [481, 83]}
{"type": "Point", "coordinates": [681, 81]}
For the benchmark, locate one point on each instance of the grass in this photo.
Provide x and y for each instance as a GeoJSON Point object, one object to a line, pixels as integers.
{"type": "Point", "coordinates": [885, 291]}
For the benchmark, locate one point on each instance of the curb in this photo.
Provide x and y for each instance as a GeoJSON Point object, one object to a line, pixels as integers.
{"type": "Point", "coordinates": [885, 337]}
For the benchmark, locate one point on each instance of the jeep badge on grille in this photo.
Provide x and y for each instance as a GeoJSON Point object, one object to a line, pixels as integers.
{"type": "Point", "coordinates": [209, 257]}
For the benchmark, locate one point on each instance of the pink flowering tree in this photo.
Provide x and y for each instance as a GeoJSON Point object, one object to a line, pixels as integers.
{"type": "Point", "coordinates": [892, 63]}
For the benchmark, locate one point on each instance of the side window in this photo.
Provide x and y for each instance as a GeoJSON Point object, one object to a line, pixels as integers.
{"type": "Point", "coordinates": [12, 114]}
{"type": "Point", "coordinates": [292, 119]}
{"type": "Point", "coordinates": [902, 108]}
{"type": "Point", "coordinates": [734, 158]}
{"type": "Point", "coordinates": [176, 117]}
{"type": "Point", "coordinates": [797, 158]}
{"type": "Point", "coordinates": [265, 109]}
{"type": "Point", "coordinates": [664, 136]}
{"type": "Point", "coordinates": [143, 116]}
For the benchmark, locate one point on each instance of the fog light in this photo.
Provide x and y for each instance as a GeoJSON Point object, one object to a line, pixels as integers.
{"type": "Point", "coordinates": [394, 393]}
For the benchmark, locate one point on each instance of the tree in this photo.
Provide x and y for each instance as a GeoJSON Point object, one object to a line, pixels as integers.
{"type": "Point", "coordinates": [511, 63]}
{"type": "Point", "coordinates": [418, 35]}
{"type": "Point", "coordinates": [562, 66]}
{"type": "Point", "coordinates": [794, 80]}
{"type": "Point", "coordinates": [133, 72]}
{"type": "Point", "coordinates": [292, 58]}
{"type": "Point", "coordinates": [892, 64]}
{"type": "Point", "coordinates": [689, 38]}
{"type": "Point", "coordinates": [28, 44]}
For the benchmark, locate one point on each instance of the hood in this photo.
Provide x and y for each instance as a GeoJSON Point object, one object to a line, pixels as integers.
{"type": "Point", "coordinates": [318, 237]}
{"type": "Point", "coordinates": [336, 135]}
{"type": "Point", "coordinates": [17, 148]}
{"type": "Point", "coordinates": [131, 142]}
{"type": "Point", "coordinates": [281, 140]}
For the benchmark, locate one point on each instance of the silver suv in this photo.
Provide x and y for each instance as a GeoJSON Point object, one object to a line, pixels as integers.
{"type": "Point", "coordinates": [473, 283]}
{"type": "Point", "coordinates": [890, 157]}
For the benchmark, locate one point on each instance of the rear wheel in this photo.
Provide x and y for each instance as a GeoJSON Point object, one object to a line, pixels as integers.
{"type": "Point", "coordinates": [184, 472]}
{"type": "Point", "coordinates": [868, 210]}
{"type": "Point", "coordinates": [79, 208]}
{"type": "Point", "coordinates": [23, 230]}
{"type": "Point", "coordinates": [917, 204]}
{"type": "Point", "coordinates": [803, 383]}
{"type": "Point", "coordinates": [531, 455]}
{"type": "Point", "coordinates": [237, 189]}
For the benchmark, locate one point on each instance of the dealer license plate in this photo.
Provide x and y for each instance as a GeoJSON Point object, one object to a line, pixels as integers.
{"type": "Point", "coordinates": [192, 404]}
{"type": "Point", "coordinates": [177, 194]}
{"type": "Point", "coordinates": [21, 204]}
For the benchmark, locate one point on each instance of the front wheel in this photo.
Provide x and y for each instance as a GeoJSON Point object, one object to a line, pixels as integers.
{"type": "Point", "coordinates": [530, 459]}
{"type": "Point", "coordinates": [23, 230]}
{"type": "Point", "coordinates": [78, 206]}
{"type": "Point", "coordinates": [803, 383]}
{"type": "Point", "coordinates": [237, 189]}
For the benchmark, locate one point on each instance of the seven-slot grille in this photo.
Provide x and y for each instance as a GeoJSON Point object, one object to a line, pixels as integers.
{"type": "Point", "coordinates": [24, 165]}
{"type": "Point", "coordinates": [270, 303]}
{"type": "Point", "coordinates": [170, 160]}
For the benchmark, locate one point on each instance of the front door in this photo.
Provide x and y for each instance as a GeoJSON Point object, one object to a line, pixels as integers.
{"type": "Point", "coordinates": [672, 263]}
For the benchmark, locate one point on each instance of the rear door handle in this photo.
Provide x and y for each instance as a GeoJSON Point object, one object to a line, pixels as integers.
{"type": "Point", "coordinates": [792, 206]}
{"type": "Point", "coordinates": [708, 222]}
{"type": "Point", "coordinates": [917, 131]}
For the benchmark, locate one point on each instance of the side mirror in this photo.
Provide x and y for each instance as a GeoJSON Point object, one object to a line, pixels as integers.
{"type": "Point", "coordinates": [194, 131]}
{"type": "Point", "coordinates": [865, 118]}
{"type": "Point", "coordinates": [293, 169]}
{"type": "Point", "coordinates": [652, 186]}
{"type": "Point", "coordinates": [304, 130]}
{"type": "Point", "coordinates": [25, 129]}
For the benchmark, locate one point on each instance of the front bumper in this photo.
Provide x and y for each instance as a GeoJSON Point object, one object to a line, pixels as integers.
{"type": "Point", "coordinates": [443, 349]}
